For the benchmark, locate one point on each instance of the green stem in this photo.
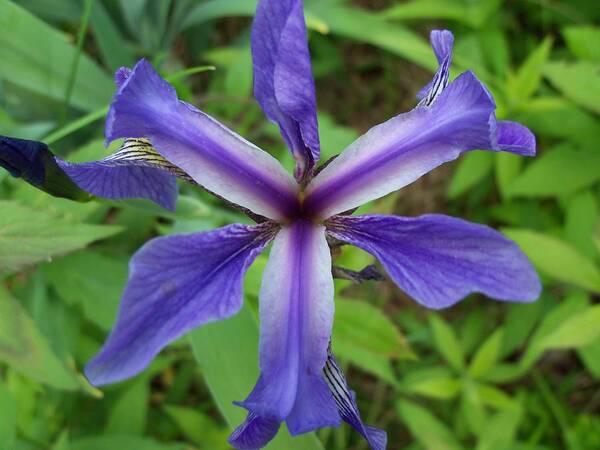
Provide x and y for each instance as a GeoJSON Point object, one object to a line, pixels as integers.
{"type": "Point", "coordinates": [72, 75]}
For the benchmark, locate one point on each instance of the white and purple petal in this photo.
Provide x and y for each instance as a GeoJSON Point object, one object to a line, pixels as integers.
{"type": "Point", "coordinates": [438, 260]}
{"type": "Point", "coordinates": [146, 106]}
{"type": "Point", "coordinates": [256, 432]}
{"type": "Point", "coordinates": [401, 150]}
{"type": "Point", "coordinates": [296, 315]}
{"type": "Point", "coordinates": [176, 283]}
{"type": "Point", "coordinates": [283, 81]}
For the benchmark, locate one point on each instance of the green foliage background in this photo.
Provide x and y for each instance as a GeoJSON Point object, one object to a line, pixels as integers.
{"type": "Point", "coordinates": [484, 375]}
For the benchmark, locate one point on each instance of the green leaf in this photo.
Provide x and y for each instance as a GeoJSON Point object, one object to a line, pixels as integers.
{"type": "Point", "coordinates": [557, 258]}
{"type": "Point", "coordinates": [92, 281]}
{"type": "Point", "coordinates": [494, 397]}
{"type": "Point", "coordinates": [582, 41]}
{"type": "Point", "coordinates": [8, 418]}
{"type": "Point", "coordinates": [590, 355]}
{"type": "Point", "coordinates": [427, 429]}
{"type": "Point", "coordinates": [432, 383]}
{"type": "Point", "coordinates": [62, 443]}
{"type": "Point", "coordinates": [500, 431]}
{"type": "Point", "coordinates": [118, 441]}
{"type": "Point", "coordinates": [227, 353]}
{"type": "Point", "coordinates": [24, 348]}
{"type": "Point", "coordinates": [578, 81]}
{"type": "Point", "coordinates": [113, 45]}
{"type": "Point", "coordinates": [508, 166]}
{"type": "Point", "coordinates": [577, 331]}
{"type": "Point", "coordinates": [471, 169]}
{"type": "Point", "coordinates": [46, 68]}
{"type": "Point", "coordinates": [487, 355]}
{"type": "Point", "coordinates": [446, 342]}
{"type": "Point", "coordinates": [582, 218]}
{"type": "Point", "coordinates": [574, 168]}
{"type": "Point", "coordinates": [526, 80]}
{"type": "Point", "coordinates": [360, 324]}
{"type": "Point", "coordinates": [29, 236]}
{"type": "Point", "coordinates": [198, 427]}
{"type": "Point", "coordinates": [129, 413]}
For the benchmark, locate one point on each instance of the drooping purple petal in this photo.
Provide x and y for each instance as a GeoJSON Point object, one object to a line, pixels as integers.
{"type": "Point", "coordinates": [120, 180]}
{"type": "Point", "coordinates": [256, 432]}
{"type": "Point", "coordinates": [442, 42]}
{"type": "Point", "coordinates": [176, 283]}
{"type": "Point", "coordinates": [283, 81]}
{"type": "Point", "coordinates": [35, 163]}
{"type": "Point", "coordinates": [296, 314]}
{"type": "Point", "coordinates": [146, 106]}
{"type": "Point", "coordinates": [516, 138]}
{"type": "Point", "coordinates": [401, 150]}
{"type": "Point", "coordinates": [438, 260]}
{"type": "Point", "coordinates": [347, 407]}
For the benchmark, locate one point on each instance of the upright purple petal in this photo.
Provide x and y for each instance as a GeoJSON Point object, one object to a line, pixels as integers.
{"type": "Point", "coordinates": [438, 260]}
{"type": "Point", "coordinates": [401, 150]}
{"type": "Point", "coordinates": [146, 106]}
{"type": "Point", "coordinates": [347, 407]}
{"type": "Point", "coordinates": [442, 42]}
{"type": "Point", "coordinates": [120, 180]}
{"type": "Point", "coordinates": [176, 283]}
{"type": "Point", "coordinates": [296, 314]}
{"type": "Point", "coordinates": [283, 81]}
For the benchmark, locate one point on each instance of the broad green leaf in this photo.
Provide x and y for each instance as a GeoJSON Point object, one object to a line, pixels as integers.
{"type": "Point", "coordinates": [582, 218]}
{"type": "Point", "coordinates": [444, 387]}
{"type": "Point", "coordinates": [46, 68]}
{"type": "Point", "coordinates": [525, 82]}
{"type": "Point", "coordinates": [590, 355]}
{"type": "Point", "coordinates": [216, 9]}
{"type": "Point", "coordinates": [559, 171]}
{"type": "Point", "coordinates": [429, 9]}
{"type": "Point", "coordinates": [500, 431]}
{"type": "Point", "coordinates": [578, 81]}
{"type": "Point", "coordinates": [92, 281]}
{"type": "Point", "coordinates": [583, 40]}
{"type": "Point", "coordinates": [494, 397]}
{"type": "Point", "coordinates": [198, 427]}
{"type": "Point", "coordinates": [124, 442]}
{"type": "Point", "coordinates": [27, 351]}
{"type": "Point", "coordinates": [507, 168]}
{"type": "Point", "coordinates": [62, 443]}
{"type": "Point", "coordinates": [446, 342]}
{"type": "Point", "coordinates": [471, 169]}
{"type": "Point", "coordinates": [366, 360]}
{"type": "Point", "coordinates": [577, 331]}
{"type": "Point", "coordinates": [557, 258]}
{"type": "Point", "coordinates": [113, 45]}
{"type": "Point", "coordinates": [29, 236]}
{"type": "Point", "coordinates": [128, 414]}
{"type": "Point", "coordinates": [8, 418]}
{"type": "Point", "coordinates": [487, 355]}
{"type": "Point", "coordinates": [360, 324]}
{"type": "Point", "coordinates": [227, 353]}
{"type": "Point", "coordinates": [363, 26]}
{"type": "Point", "coordinates": [519, 323]}
{"type": "Point", "coordinates": [427, 429]}
{"type": "Point", "coordinates": [555, 116]}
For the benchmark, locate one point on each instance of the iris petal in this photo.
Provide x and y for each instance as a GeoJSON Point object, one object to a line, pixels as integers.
{"type": "Point", "coordinates": [438, 260]}
{"type": "Point", "coordinates": [146, 106]}
{"type": "Point", "coordinates": [176, 283]}
{"type": "Point", "coordinates": [283, 81]}
{"type": "Point", "coordinates": [296, 315]}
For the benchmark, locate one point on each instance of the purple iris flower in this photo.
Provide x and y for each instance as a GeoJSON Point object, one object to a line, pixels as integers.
{"type": "Point", "coordinates": [179, 282]}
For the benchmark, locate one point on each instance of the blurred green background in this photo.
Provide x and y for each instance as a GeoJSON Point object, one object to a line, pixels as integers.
{"type": "Point", "coordinates": [483, 375]}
